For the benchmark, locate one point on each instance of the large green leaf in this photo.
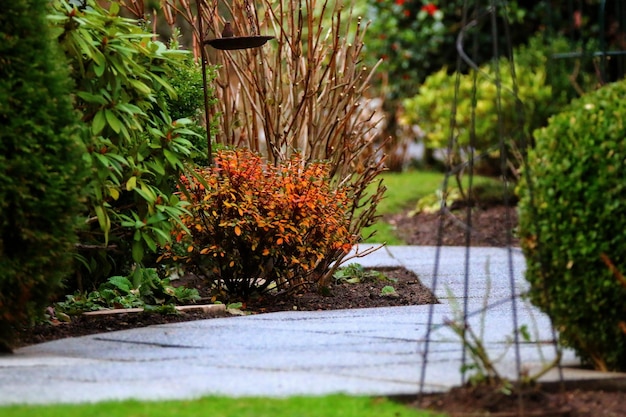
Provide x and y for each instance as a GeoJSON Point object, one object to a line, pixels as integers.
{"type": "Point", "coordinates": [99, 121]}
{"type": "Point", "coordinates": [112, 120]}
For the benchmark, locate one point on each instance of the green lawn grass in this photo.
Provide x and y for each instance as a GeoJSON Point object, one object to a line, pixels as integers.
{"type": "Point", "coordinates": [327, 406]}
{"type": "Point", "coordinates": [403, 191]}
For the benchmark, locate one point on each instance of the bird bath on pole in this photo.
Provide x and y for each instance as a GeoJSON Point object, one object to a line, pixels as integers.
{"type": "Point", "coordinates": [227, 42]}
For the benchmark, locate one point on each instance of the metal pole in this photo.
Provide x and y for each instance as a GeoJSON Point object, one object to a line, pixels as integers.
{"type": "Point", "coordinates": [603, 42]}
{"type": "Point", "coordinates": [204, 83]}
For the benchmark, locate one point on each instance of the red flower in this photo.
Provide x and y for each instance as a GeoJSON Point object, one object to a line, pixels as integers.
{"type": "Point", "coordinates": [430, 9]}
{"type": "Point", "coordinates": [400, 2]}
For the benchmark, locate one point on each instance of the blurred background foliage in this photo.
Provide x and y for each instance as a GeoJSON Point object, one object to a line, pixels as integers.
{"type": "Point", "coordinates": [410, 40]}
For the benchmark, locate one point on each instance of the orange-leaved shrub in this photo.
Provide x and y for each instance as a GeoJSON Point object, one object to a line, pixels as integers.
{"type": "Point", "coordinates": [255, 226]}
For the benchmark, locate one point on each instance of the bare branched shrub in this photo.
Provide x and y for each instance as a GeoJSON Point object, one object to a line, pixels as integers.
{"type": "Point", "coordinates": [303, 92]}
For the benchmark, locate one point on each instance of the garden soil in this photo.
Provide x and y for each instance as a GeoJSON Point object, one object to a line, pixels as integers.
{"type": "Point", "coordinates": [490, 226]}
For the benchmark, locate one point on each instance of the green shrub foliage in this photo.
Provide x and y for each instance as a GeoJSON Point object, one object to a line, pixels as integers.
{"type": "Point", "coordinates": [415, 38]}
{"type": "Point", "coordinates": [135, 149]}
{"type": "Point", "coordinates": [525, 103]}
{"type": "Point", "coordinates": [572, 215]}
{"type": "Point", "coordinates": [41, 166]}
{"type": "Point", "coordinates": [255, 226]}
{"type": "Point", "coordinates": [186, 80]}
{"type": "Point", "coordinates": [152, 294]}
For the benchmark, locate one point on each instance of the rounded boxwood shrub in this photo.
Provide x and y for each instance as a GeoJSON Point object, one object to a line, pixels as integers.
{"type": "Point", "coordinates": [40, 166]}
{"type": "Point", "coordinates": [573, 223]}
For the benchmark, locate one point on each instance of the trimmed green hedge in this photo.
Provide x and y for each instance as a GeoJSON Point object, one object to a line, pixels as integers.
{"type": "Point", "coordinates": [41, 168]}
{"type": "Point", "coordinates": [572, 213]}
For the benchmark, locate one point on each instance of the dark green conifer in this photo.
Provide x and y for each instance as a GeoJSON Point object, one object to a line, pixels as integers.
{"type": "Point", "coordinates": [41, 169]}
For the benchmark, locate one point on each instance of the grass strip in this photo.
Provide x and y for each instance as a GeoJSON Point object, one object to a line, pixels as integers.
{"type": "Point", "coordinates": [326, 406]}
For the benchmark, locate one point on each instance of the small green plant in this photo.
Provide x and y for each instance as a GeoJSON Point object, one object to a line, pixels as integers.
{"type": "Point", "coordinates": [433, 203]}
{"type": "Point", "coordinates": [388, 291]}
{"type": "Point", "coordinates": [483, 368]}
{"type": "Point", "coordinates": [255, 226]}
{"type": "Point", "coordinates": [150, 292]}
{"type": "Point", "coordinates": [572, 214]}
{"type": "Point", "coordinates": [355, 273]}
